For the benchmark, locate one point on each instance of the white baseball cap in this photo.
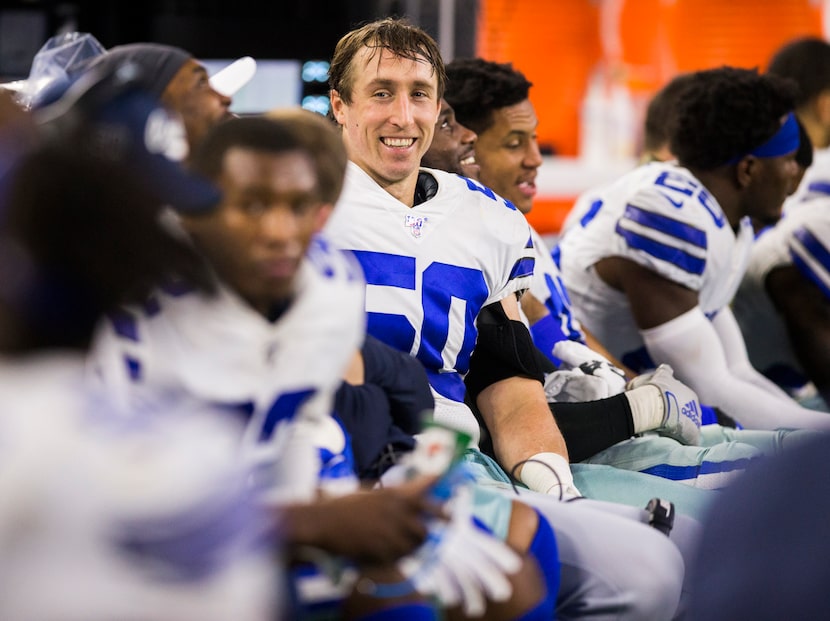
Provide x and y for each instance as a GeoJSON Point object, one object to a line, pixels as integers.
{"type": "Point", "coordinates": [229, 80]}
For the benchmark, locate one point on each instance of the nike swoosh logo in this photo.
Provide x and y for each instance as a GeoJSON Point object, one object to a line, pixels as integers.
{"type": "Point", "coordinates": [677, 204]}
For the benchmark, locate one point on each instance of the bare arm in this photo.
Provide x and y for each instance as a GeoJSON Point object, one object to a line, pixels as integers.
{"type": "Point", "coordinates": [806, 312]}
{"type": "Point", "coordinates": [676, 332]}
{"type": "Point", "coordinates": [654, 300]}
{"type": "Point", "coordinates": [516, 412]}
{"type": "Point", "coordinates": [535, 311]}
{"type": "Point", "coordinates": [371, 526]}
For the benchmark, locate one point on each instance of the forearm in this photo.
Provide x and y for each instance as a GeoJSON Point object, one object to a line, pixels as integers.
{"type": "Point", "coordinates": [592, 426]}
{"type": "Point", "coordinates": [734, 348]}
{"type": "Point", "coordinates": [305, 525]}
{"type": "Point", "coordinates": [690, 344]}
{"type": "Point", "coordinates": [516, 414]}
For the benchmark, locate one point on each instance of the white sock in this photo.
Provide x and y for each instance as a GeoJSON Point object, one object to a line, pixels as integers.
{"type": "Point", "coordinates": [647, 408]}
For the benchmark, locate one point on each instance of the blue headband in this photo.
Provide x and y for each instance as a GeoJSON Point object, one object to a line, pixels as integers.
{"type": "Point", "coordinates": [785, 140]}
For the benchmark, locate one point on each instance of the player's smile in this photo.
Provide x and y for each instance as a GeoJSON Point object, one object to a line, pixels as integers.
{"type": "Point", "coordinates": [398, 143]}
{"type": "Point", "coordinates": [390, 120]}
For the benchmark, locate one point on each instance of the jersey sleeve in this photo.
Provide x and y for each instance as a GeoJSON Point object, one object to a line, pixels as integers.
{"type": "Point", "coordinates": [511, 243]}
{"type": "Point", "coordinates": [663, 227]}
{"type": "Point", "coordinates": [116, 362]}
{"type": "Point", "coordinates": [809, 248]}
{"type": "Point", "coordinates": [548, 287]}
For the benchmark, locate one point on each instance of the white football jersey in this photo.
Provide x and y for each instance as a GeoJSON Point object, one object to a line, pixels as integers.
{"type": "Point", "coordinates": [661, 217]}
{"type": "Point", "coordinates": [431, 268]}
{"type": "Point", "coordinates": [814, 184]}
{"type": "Point", "coordinates": [583, 210]}
{"type": "Point", "coordinates": [802, 238]}
{"type": "Point", "coordinates": [222, 352]}
{"type": "Point", "coordinates": [547, 287]}
{"type": "Point", "coordinates": [106, 519]}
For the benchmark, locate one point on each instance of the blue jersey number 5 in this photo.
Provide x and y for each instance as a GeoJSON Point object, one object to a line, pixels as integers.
{"type": "Point", "coordinates": [440, 283]}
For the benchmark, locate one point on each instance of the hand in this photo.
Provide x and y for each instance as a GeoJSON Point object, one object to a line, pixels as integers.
{"type": "Point", "coordinates": [461, 563]}
{"type": "Point", "coordinates": [681, 408]}
{"type": "Point", "coordinates": [580, 358]}
{"type": "Point", "coordinates": [573, 386]}
{"type": "Point", "coordinates": [377, 526]}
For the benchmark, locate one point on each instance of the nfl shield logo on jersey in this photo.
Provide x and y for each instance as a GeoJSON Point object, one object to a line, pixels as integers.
{"type": "Point", "coordinates": [415, 224]}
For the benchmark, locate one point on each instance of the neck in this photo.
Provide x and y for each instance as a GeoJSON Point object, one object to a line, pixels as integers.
{"type": "Point", "coordinates": [718, 183]}
{"type": "Point", "coordinates": [401, 189]}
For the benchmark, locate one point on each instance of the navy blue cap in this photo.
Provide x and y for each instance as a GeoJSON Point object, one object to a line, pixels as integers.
{"type": "Point", "coordinates": [112, 117]}
{"type": "Point", "coordinates": [158, 63]}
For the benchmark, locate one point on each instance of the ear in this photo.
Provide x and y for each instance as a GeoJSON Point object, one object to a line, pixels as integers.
{"type": "Point", "coordinates": [338, 107]}
{"type": "Point", "coordinates": [323, 214]}
{"type": "Point", "coordinates": [746, 170]}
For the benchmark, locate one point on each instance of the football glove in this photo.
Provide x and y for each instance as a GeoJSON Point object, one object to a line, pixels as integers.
{"type": "Point", "coordinates": [681, 408]}
{"type": "Point", "coordinates": [585, 375]}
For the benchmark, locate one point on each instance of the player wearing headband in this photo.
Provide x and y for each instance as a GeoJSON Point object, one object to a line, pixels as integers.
{"type": "Point", "coordinates": [652, 273]}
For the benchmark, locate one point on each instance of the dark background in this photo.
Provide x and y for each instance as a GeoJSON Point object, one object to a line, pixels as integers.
{"type": "Point", "coordinates": [279, 29]}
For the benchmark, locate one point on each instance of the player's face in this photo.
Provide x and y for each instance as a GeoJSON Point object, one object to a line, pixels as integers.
{"type": "Point", "coordinates": [775, 181]}
{"type": "Point", "coordinates": [389, 124]}
{"type": "Point", "coordinates": [509, 156]}
{"type": "Point", "coordinates": [453, 146]}
{"type": "Point", "coordinates": [258, 236]}
{"type": "Point", "coordinates": [189, 93]}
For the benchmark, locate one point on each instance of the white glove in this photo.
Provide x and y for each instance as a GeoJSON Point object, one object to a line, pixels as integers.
{"type": "Point", "coordinates": [585, 375]}
{"type": "Point", "coordinates": [575, 387]}
{"type": "Point", "coordinates": [461, 564]}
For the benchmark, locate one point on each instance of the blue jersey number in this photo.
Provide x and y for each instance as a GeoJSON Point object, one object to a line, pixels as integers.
{"type": "Point", "coordinates": [477, 187]}
{"type": "Point", "coordinates": [559, 305]}
{"type": "Point", "coordinates": [682, 187]}
{"type": "Point", "coordinates": [284, 407]}
{"type": "Point", "coordinates": [440, 283]}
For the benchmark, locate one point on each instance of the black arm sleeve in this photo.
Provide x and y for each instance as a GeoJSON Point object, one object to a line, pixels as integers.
{"type": "Point", "coordinates": [592, 426]}
{"type": "Point", "coordinates": [504, 349]}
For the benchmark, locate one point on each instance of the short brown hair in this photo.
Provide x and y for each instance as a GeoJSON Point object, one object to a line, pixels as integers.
{"type": "Point", "coordinates": [278, 133]}
{"type": "Point", "coordinates": [397, 36]}
{"type": "Point", "coordinates": [325, 145]}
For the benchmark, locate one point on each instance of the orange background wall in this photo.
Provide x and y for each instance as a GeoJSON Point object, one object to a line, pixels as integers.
{"type": "Point", "coordinates": [641, 44]}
